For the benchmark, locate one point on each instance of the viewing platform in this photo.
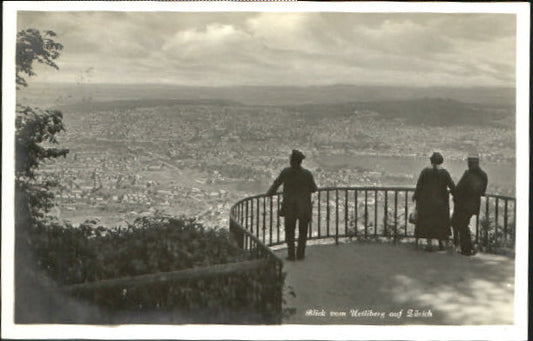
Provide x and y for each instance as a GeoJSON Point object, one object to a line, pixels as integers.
{"type": "Point", "coordinates": [354, 282]}
{"type": "Point", "coordinates": [361, 262]}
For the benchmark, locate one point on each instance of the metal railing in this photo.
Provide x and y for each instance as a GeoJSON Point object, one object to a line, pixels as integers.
{"type": "Point", "coordinates": [249, 242]}
{"type": "Point", "coordinates": [366, 212]}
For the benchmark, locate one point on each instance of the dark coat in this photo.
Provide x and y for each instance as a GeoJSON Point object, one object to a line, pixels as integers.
{"type": "Point", "coordinates": [432, 203]}
{"type": "Point", "coordinates": [298, 185]}
{"type": "Point", "coordinates": [469, 190]}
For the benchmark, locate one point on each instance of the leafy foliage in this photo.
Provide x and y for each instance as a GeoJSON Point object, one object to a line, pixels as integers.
{"type": "Point", "coordinates": [151, 244]}
{"type": "Point", "coordinates": [34, 46]}
{"type": "Point", "coordinates": [160, 244]}
{"type": "Point", "coordinates": [245, 297]}
{"type": "Point", "coordinates": [36, 129]}
{"type": "Point", "coordinates": [493, 238]}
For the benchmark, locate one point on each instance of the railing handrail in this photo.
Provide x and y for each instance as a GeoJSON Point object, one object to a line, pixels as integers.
{"type": "Point", "coordinates": [362, 188]}
{"type": "Point", "coordinates": [499, 196]}
{"type": "Point", "coordinates": [366, 188]}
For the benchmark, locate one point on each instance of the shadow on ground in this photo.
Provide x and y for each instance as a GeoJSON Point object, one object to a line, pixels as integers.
{"type": "Point", "coordinates": [365, 282]}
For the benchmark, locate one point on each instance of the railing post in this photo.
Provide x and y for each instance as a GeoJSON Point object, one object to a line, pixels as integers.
{"type": "Point", "coordinates": [310, 222]}
{"type": "Point", "coordinates": [477, 228]}
{"type": "Point", "coordinates": [356, 204]}
{"type": "Point", "coordinates": [252, 216]}
{"type": "Point", "coordinates": [278, 218]}
{"type": "Point", "coordinates": [496, 217]}
{"type": "Point", "coordinates": [385, 214]}
{"type": "Point", "coordinates": [505, 222]}
{"type": "Point", "coordinates": [366, 213]}
{"type": "Point", "coordinates": [241, 213]}
{"type": "Point", "coordinates": [257, 215]}
{"type": "Point", "coordinates": [246, 226]}
{"type": "Point", "coordinates": [271, 220]}
{"type": "Point", "coordinates": [375, 213]}
{"type": "Point", "coordinates": [337, 216]}
{"type": "Point", "coordinates": [487, 217]}
{"type": "Point", "coordinates": [319, 215]}
{"type": "Point", "coordinates": [345, 213]}
{"type": "Point", "coordinates": [327, 213]}
{"type": "Point", "coordinates": [406, 212]}
{"type": "Point", "coordinates": [264, 220]}
{"type": "Point", "coordinates": [395, 215]}
{"type": "Point", "coordinates": [513, 236]}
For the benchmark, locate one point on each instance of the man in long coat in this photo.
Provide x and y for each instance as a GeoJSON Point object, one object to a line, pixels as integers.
{"type": "Point", "coordinates": [467, 200]}
{"type": "Point", "coordinates": [298, 185]}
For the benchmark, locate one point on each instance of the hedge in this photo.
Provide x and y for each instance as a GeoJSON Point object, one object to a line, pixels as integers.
{"type": "Point", "coordinates": [77, 256]}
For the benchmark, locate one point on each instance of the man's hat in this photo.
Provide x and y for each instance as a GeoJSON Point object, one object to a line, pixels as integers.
{"type": "Point", "coordinates": [436, 158]}
{"type": "Point", "coordinates": [297, 155]}
{"type": "Point", "coordinates": [473, 156]}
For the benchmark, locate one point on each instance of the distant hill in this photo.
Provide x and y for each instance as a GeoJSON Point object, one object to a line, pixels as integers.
{"type": "Point", "coordinates": [259, 95]}
{"type": "Point", "coordinates": [431, 106]}
{"type": "Point", "coordinates": [428, 111]}
{"type": "Point", "coordinates": [90, 106]}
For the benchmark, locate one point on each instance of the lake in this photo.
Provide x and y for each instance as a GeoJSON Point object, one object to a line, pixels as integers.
{"type": "Point", "coordinates": [501, 175]}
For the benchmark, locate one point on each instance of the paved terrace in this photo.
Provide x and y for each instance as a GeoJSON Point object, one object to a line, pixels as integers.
{"type": "Point", "coordinates": [366, 278]}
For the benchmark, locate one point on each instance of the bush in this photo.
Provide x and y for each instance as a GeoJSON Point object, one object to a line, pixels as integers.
{"type": "Point", "coordinates": [91, 252]}
{"type": "Point", "coordinates": [245, 297]}
{"type": "Point", "coordinates": [492, 238]}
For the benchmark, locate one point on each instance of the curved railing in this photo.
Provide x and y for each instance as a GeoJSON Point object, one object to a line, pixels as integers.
{"type": "Point", "coordinates": [246, 240]}
{"type": "Point", "coordinates": [368, 212]}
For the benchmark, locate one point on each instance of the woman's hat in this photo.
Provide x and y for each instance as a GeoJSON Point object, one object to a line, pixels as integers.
{"type": "Point", "coordinates": [436, 158]}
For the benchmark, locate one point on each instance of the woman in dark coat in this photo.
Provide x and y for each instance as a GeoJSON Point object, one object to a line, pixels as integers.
{"type": "Point", "coordinates": [432, 202]}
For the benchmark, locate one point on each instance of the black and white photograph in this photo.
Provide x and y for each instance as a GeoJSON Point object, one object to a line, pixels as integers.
{"type": "Point", "coordinates": [283, 170]}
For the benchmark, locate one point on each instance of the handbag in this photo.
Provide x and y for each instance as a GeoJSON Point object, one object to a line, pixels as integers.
{"type": "Point", "coordinates": [413, 216]}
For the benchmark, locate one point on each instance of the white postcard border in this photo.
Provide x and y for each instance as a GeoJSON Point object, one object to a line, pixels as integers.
{"type": "Point", "coordinates": [517, 331]}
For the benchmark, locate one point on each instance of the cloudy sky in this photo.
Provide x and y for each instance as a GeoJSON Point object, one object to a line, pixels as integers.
{"type": "Point", "coordinates": [257, 48]}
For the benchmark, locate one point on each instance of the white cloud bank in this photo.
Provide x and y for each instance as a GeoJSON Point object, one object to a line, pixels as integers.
{"type": "Point", "coordinates": [246, 48]}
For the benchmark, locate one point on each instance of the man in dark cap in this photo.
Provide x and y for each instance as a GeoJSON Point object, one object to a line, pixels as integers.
{"type": "Point", "coordinates": [467, 199]}
{"type": "Point", "coordinates": [298, 185]}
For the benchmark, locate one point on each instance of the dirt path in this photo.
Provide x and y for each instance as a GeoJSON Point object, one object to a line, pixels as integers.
{"type": "Point", "coordinates": [361, 283]}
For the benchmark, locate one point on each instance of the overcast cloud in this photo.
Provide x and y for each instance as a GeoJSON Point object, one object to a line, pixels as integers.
{"type": "Point", "coordinates": [211, 49]}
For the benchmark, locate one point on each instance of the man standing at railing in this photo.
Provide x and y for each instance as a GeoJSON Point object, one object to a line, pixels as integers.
{"type": "Point", "coordinates": [467, 200]}
{"type": "Point", "coordinates": [298, 185]}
